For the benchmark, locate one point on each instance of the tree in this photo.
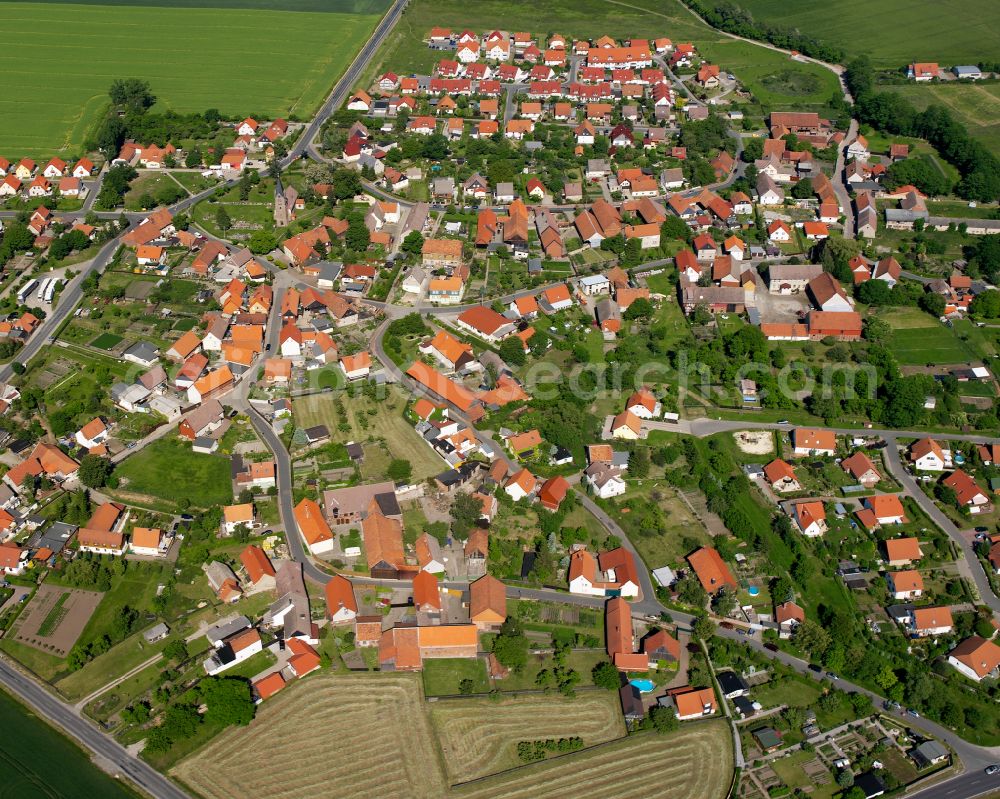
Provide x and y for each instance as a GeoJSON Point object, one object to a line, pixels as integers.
{"type": "Point", "coordinates": [877, 330]}
{"type": "Point", "coordinates": [802, 190]}
{"type": "Point", "coordinates": [812, 638]}
{"type": "Point", "coordinates": [512, 351]}
{"type": "Point", "coordinates": [690, 591]}
{"type": "Point", "coordinates": [724, 603]}
{"type": "Point", "coordinates": [262, 241]}
{"type": "Point", "coordinates": [874, 292]}
{"type": "Point", "coordinates": [175, 651]}
{"type": "Point", "coordinates": [703, 628]}
{"type": "Point", "coordinates": [845, 778]}
{"type": "Point", "coordinates": [675, 228]}
{"type": "Point", "coordinates": [466, 687]}
{"type": "Point", "coordinates": [639, 309]}
{"type": "Point", "coordinates": [413, 243]}
{"type": "Point", "coordinates": [346, 183]}
{"type": "Point", "coordinates": [94, 471]}
{"type": "Point", "coordinates": [133, 94]}
{"type": "Point", "coordinates": [606, 675]}
{"type": "Point", "coordinates": [228, 699]}
{"type": "Point", "coordinates": [987, 304]}
{"type": "Point", "coordinates": [358, 236]}
{"type": "Point", "coordinates": [932, 304]}
{"type": "Point", "coordinates": [222, 219]}
{"type": "Point", "coordinates": [399, 470]}
{"type": "Point", "coordinates": [137, 713]}
{"type": "Point", "coordinates": [753, 150]}
{"type": "Point", "coordinates": [465, 512]}
{"type": "Point", "coordinates": [511, 645]}
{"type": "Point", "coordinates": [664, 719]}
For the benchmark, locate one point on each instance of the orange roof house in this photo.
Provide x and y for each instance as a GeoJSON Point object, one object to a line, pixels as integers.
{"type": "Point", "coordinates": [383, 544]}
{"type": "Point", "coordinates": [781, 475]}
{"type": "Point", "coordinates": [268, 686]}
{"type": "Point", "coordinates": [525, 442]}
{"type": "Point", "coordinates": [552, 492]}
{"type": "Point", "coordinates": [256, 563]}
{"type": "Point", "coordinates": [691, 704]}
{"type": "Point", "coordinates": [901, 551]}
{"type": "Point", "coordinates": [304, 658]}
{"type": "Point", "coordinates": [711, 569]}
{"type": "Point", "coordinates": [975, 657]}
{"type": "Point", "coordinates": [487, 602]}
{"type": "Point", "coordinates": [277, 370]}
{"type": "Point", "coordinates": [426, 595]}
{"type": "Point", "coordinates": [341, 604]}
{"type": "Point", "coordinates": [618, 627]}
{"type": "Point", "coordinates": [861, 468]}
{"type": "Point", "coordinates": [312, 526]}
{"type": "Point", "coordinates": [809, 441]}
{"type": "Point", "coordinates": [448, 390]}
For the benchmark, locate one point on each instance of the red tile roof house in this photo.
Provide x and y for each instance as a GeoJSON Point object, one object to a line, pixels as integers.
{"type": "Point", "coordinates": [620, 637]}
{"type": "Point", "coordinates": [788, 616]}
{"type": "Point", "coordinates": [258, 568]}
{"type": "Point", "coordinates": [807, 441]}
{"type": "Point", "coordinates": [968, 494]}
{"type": "Point", "coordinates": [552, 492]}
{"type": "Point", "coordinates": [861, 468]}
{"type": "Point", "coordinates": [711, 570]}
{"type": "Point", "coordinates": [695, 704]}
{"type": "Point", "coordinates": [976, 658]}
{"type": "Point", "coordinates": [781, 476]}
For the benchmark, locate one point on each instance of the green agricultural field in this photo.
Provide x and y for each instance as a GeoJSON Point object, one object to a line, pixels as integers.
{"type": "Point", "coordinates": [777, 81]}
{"type": "Point", "coordinates": [977, 107]}
{"type": "Point", "coordinates": [29, 755]}
{"type": "Point", "coordinates": [168, 473]}
{"type": "Point", "coordinates": [892, 32]}
{"type": "Point", "coordinates": [257, 57]}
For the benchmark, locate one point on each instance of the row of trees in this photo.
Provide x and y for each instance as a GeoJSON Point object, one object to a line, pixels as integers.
{"type": "Point", "coordinates": [733, 19]}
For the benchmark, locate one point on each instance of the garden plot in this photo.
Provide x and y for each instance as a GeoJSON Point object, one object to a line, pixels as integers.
{"type": "Point", "coordinates": [55, 618]}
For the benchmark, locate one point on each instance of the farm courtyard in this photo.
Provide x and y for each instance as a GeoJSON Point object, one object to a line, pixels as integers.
{"type": "Point", "coordinates": [387, 743]}
{"type": "Point", "coordinates": [220, 54]}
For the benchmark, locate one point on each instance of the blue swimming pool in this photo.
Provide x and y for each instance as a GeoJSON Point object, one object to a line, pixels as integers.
{"type": "Point", "coordinates": [753, 590]}
{"type": "Point", "coordinates": [644, 686]}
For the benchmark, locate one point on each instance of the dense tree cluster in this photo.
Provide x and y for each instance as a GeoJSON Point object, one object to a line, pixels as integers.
{"type": "Point", "coordinates": [893, 113]}
{"type": "Point", "coordinates": [114, 187]}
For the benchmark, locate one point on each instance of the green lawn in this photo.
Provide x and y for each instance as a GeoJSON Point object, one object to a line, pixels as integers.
{"type": "Point", "coordinates": [103, 669]}
{"type": "Point", "coordinates": [775, 80]}
{"type": "Point", "coordinates": [977, 107]}
{"type": "Point", "coordinates": [442, 677]}
{"type": "Point", "coordinates": [194, 57]}
{"type": "Point", "coordinates": [168, 473]}
{"type": "Point", "coordinates": [786, 691]}
{"type": "Point", "coordinates": [918, 339]}
{"type": "Point", "coordinates": [892, 32]}
{"type": "Point", "coordinates": [106, 341]}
